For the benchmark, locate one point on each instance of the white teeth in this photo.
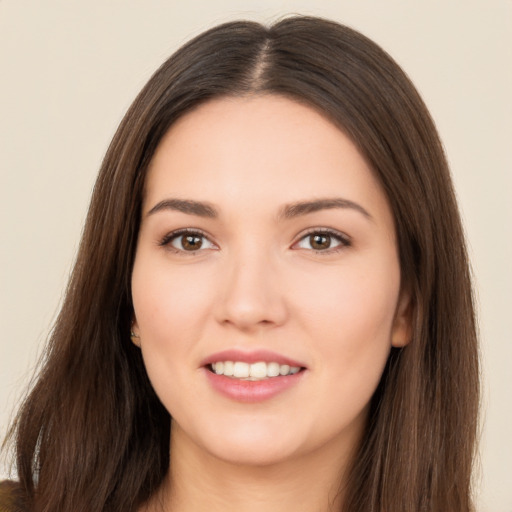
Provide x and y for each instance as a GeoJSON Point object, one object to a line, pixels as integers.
{"type": "Point", "coordinates": [240, 370]}
{"type": "Point", "coordinates": [258, 370]}
{"type": "Point", "coordinates": [228, 368]}
{"type": "Point", "coordinates": [254, 371]}
{"type": "Point", "coordinates": [272, 369]}
{"type": "Point", "coordinates": [284, 369]}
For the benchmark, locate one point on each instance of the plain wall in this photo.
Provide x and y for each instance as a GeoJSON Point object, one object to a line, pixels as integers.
{"type": "Point", "coordinates": [69, 70]}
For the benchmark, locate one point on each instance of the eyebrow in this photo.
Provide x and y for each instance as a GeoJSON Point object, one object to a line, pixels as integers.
{"type": "Point", "coordinates": [292, 210]}
{"type": "Point", "coordinates": [288, 211]}
{"type": "Point", "coordinates": [188, 206]}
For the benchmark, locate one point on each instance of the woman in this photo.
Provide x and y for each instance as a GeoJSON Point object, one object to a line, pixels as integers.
{"type": "Point", "coordinates": [271, 304]}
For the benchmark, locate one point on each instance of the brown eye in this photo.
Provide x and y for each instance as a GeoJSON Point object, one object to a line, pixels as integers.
{"type": "Point", "coordinates": [187, 241]}
{"type": "Point", "coordinates": [191, 242]}
{"type": "Point", "coordinates": [320, 242]}
{"type": "Point", "coordinates": [323, 241]}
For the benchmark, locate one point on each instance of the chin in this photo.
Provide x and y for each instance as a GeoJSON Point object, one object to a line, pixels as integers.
{"type": "Point", "coordinates": [255, 454]}
{"type": "Point", "coordinates": [248, 443]}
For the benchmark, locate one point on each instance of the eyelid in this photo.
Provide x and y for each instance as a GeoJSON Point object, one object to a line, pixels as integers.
{"type": "Point", "coordinates": [345, 240]}
{"type": "Point", "coordinates": [169, 237]}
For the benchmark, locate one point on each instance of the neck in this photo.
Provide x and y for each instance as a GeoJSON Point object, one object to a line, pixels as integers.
{"type": "Point", "coordinates": [199, 481]}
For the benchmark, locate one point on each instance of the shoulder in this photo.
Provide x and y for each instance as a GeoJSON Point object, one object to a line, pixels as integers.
{"type": "Point", "coordinates": [11, 497]}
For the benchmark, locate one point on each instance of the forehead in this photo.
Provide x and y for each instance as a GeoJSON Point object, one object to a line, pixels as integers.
{"type": "Point", "coordinates": [259, 148]}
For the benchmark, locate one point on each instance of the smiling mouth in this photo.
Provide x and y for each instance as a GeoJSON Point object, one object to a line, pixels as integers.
{"type": "Point", "coordinates": [253, 371]}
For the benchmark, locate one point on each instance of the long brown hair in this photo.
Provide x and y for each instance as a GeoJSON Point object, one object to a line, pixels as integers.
{"type": "Point", "coordinates": [92, 435]}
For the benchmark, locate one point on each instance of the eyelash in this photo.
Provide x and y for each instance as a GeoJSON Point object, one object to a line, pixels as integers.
{"type": "Point", "coordinates": [167, 239]}
{"type": "Point", "coordinates": [344, 240]}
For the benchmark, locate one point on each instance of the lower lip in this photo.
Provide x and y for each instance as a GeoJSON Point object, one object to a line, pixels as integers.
{"type": "Point", "coordinates": [252, 390]}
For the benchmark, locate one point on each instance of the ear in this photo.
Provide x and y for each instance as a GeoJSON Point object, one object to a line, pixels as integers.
{"type": "Point", "coordinates": [134, 333]}
{"type": "Point", "coordinates": [401, 332]}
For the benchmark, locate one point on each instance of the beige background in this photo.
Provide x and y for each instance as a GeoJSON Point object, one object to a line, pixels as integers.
{"type": "Point", "coordinates": [69, 70]}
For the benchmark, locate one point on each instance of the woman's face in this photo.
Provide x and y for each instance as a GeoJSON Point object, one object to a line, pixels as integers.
{"type": "Point", "coordinates": [266, 283]}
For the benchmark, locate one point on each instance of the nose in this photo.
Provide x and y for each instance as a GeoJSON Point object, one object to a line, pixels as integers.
{"type": "Point", "coordinates": [252, 296]}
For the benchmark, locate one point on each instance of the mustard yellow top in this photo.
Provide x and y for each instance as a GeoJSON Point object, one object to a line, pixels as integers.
{"type": "Point", "coordinates": [11, 497]}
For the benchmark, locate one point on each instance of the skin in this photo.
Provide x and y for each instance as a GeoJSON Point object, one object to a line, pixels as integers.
{"type": "Point", "coordinates": [256, 282]}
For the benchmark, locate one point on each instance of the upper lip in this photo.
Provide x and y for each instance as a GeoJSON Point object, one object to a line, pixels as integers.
{"type": "Point", "coordinates": [252, 356]}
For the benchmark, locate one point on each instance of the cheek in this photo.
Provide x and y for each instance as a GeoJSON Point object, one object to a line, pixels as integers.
{"type": "Point", "coordinates": [348, 316]}
{"type": "Point", "coordinates": [167, 308]}
{"type": "Point", "coordinates": [170, 310]}
{"type": "Point", "coordinates": [169, 303]}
